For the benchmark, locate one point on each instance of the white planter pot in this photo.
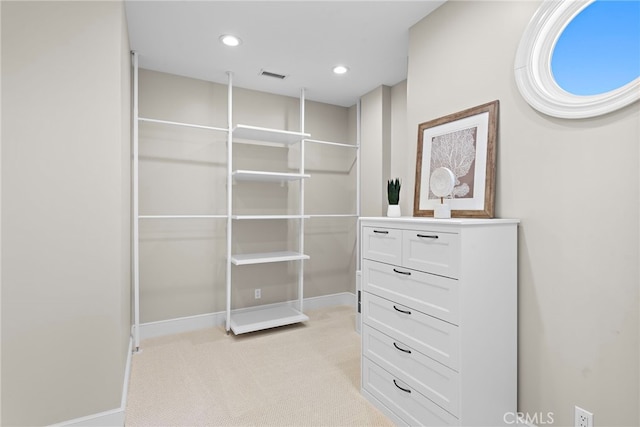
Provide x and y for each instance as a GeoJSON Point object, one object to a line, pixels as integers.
{"type": "Point", "coordinates": [393, 211]}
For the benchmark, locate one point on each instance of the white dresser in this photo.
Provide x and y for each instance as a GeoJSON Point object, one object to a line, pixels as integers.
{"type": "Point", "coordinates": [439, 319]}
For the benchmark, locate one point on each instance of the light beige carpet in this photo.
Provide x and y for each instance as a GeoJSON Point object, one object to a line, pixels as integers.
{"type": "Point", "coordinates": [299, 375]}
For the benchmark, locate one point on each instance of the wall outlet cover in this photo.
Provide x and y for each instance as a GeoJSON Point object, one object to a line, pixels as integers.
{"type": "Point", "coordinates": [583, 418]}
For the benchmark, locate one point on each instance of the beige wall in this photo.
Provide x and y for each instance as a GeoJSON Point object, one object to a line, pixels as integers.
{"type": "Point", "coordinates": [579, 236]}
{"type": "Point", "coordinates": [385, 149]}
{"type": "Point", "coordinates": [183, 171]}
{"type": "Point", "coordinates": [375, 150]}
{"type": "Point", "coordinates": [65, 204]}
{"type": "Point", "coordinates": [401, 147]}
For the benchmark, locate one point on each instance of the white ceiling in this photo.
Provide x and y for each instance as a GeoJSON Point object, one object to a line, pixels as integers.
{"type": "Point", "coordinates": [301, 39]}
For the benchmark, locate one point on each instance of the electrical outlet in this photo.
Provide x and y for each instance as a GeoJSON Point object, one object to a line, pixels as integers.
{"type": "Point", "coordinates": [583, 418]}
{"type": "Point", "coordinates": [258, 294]}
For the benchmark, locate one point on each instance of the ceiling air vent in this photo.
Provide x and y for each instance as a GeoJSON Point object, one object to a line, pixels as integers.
{"type": "Point", "coordinates": [271, 74]}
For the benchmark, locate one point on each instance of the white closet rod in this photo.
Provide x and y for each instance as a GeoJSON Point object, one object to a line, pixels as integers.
{"type": "Point", "coordinates": [240, 217]}
{"type": "Point", "coordinates": [339, 144]}
{"type": "Point", "coordinates": [332, 216]}
{"type": "Point", "coordinates": [166, 122]}
{"type": "Point", "coordinates": [179, 216]}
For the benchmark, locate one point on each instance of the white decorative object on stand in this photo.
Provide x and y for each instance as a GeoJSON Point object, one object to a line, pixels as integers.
{"type": "Point", "coordinates": [442, 211]}
{"type": "Point", "coordinates": [442, 182]}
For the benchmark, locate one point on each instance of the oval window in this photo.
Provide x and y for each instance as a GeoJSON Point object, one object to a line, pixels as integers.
{"type": "Point", "coordinates": [599, 50]}
{"type": "Point", "coordinates": [580, 59]}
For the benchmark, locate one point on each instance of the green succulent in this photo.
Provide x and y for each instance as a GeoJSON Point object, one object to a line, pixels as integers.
{"type": "Point", "coordinates": [393, 191]}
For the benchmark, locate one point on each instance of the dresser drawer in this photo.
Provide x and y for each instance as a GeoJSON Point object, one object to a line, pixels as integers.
{"type": "Point", "coordinates": [428, 377]}
{"type": "Point", "coordinates": [382, 244]}
{"type": "Point", "coordinates": [414, 408]}
{"type": "Point", "coordinates": [433, 252]}
{"type": "Point", "coordinates": [428, 293]}
{"type": "Point", "coordinates": [430, 336]}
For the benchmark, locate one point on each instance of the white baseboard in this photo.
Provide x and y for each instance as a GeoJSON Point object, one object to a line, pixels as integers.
{"type": "Point", "coordinates": [210, 320]}
{"type": "Point", "coordinates": [113, 417]}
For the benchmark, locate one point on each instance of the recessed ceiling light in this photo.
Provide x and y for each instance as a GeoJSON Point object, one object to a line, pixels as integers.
{"type": "Point", "coordinates": [230, 40]}
{"type": "Point", "coordinates": [340, 69]}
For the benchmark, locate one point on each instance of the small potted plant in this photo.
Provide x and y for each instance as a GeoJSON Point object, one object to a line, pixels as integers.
{"type": "Point", "coordinates": [393, 195]}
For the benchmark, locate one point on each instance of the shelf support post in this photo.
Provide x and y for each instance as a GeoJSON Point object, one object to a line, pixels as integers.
{"type": "Point", "coordinates": [301, 210]}
{"type": "Point", "coordinates": [229, 194]}
{"type": "Point", "coordinates": [358, 152]}
{"type": "Point", "coordinates": [135, 212]}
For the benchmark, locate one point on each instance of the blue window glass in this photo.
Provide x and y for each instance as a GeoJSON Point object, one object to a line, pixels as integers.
{"type": "Point", "coordinates": [599, 50]}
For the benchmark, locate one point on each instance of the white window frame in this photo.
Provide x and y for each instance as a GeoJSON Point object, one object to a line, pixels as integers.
{"type": "Point", "coordinates": [533, 68]}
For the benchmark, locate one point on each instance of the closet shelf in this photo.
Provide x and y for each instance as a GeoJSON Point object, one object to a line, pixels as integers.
{"type": "Point", "coordinates": [247, 175]}
{"type": "Point", "coordinates": [337, 144]}
{"type": "Point", "coordinates": [267, 257]}
{"type": "Point", "coordinates": [261, 135]}
{"type": "Point", "coordinates": [259, 318]}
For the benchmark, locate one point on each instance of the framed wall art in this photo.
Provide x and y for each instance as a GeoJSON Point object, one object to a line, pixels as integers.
{"type": "Point", "coordinates": [465, 143]}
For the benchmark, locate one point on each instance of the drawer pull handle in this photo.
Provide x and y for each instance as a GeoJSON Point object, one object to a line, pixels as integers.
{"type": "Point", "coordinates": [406, 273]}
{"type": "Point", "coordinates": [401, 311]}
{"type": "Point", "coordinates": [427, 236]}
{"type": "Point", "coordinates": [380, 232]}
{"type": "Point", "coordinates": [401, 349]}
{"type": "Point", "coordinates": [403, 389]}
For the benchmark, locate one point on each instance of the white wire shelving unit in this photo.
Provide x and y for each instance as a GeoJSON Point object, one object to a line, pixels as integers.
{"type": "Point", "coordinates": [260, 317]}
{"type": "Point", "coordinates": [264, 317]}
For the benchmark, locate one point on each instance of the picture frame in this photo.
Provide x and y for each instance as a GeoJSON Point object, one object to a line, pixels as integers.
{"type": "Point", "coordinates": [464, 142]}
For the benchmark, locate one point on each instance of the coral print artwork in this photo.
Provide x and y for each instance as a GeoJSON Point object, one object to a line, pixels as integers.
{"type": "Point", "coordinates": [464, 143]}
{"type": "Point", "coordinates": [456, 151]}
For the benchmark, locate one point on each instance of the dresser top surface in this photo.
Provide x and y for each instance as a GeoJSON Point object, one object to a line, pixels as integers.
{"type": "Point", "coordinates": [444, 222]}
